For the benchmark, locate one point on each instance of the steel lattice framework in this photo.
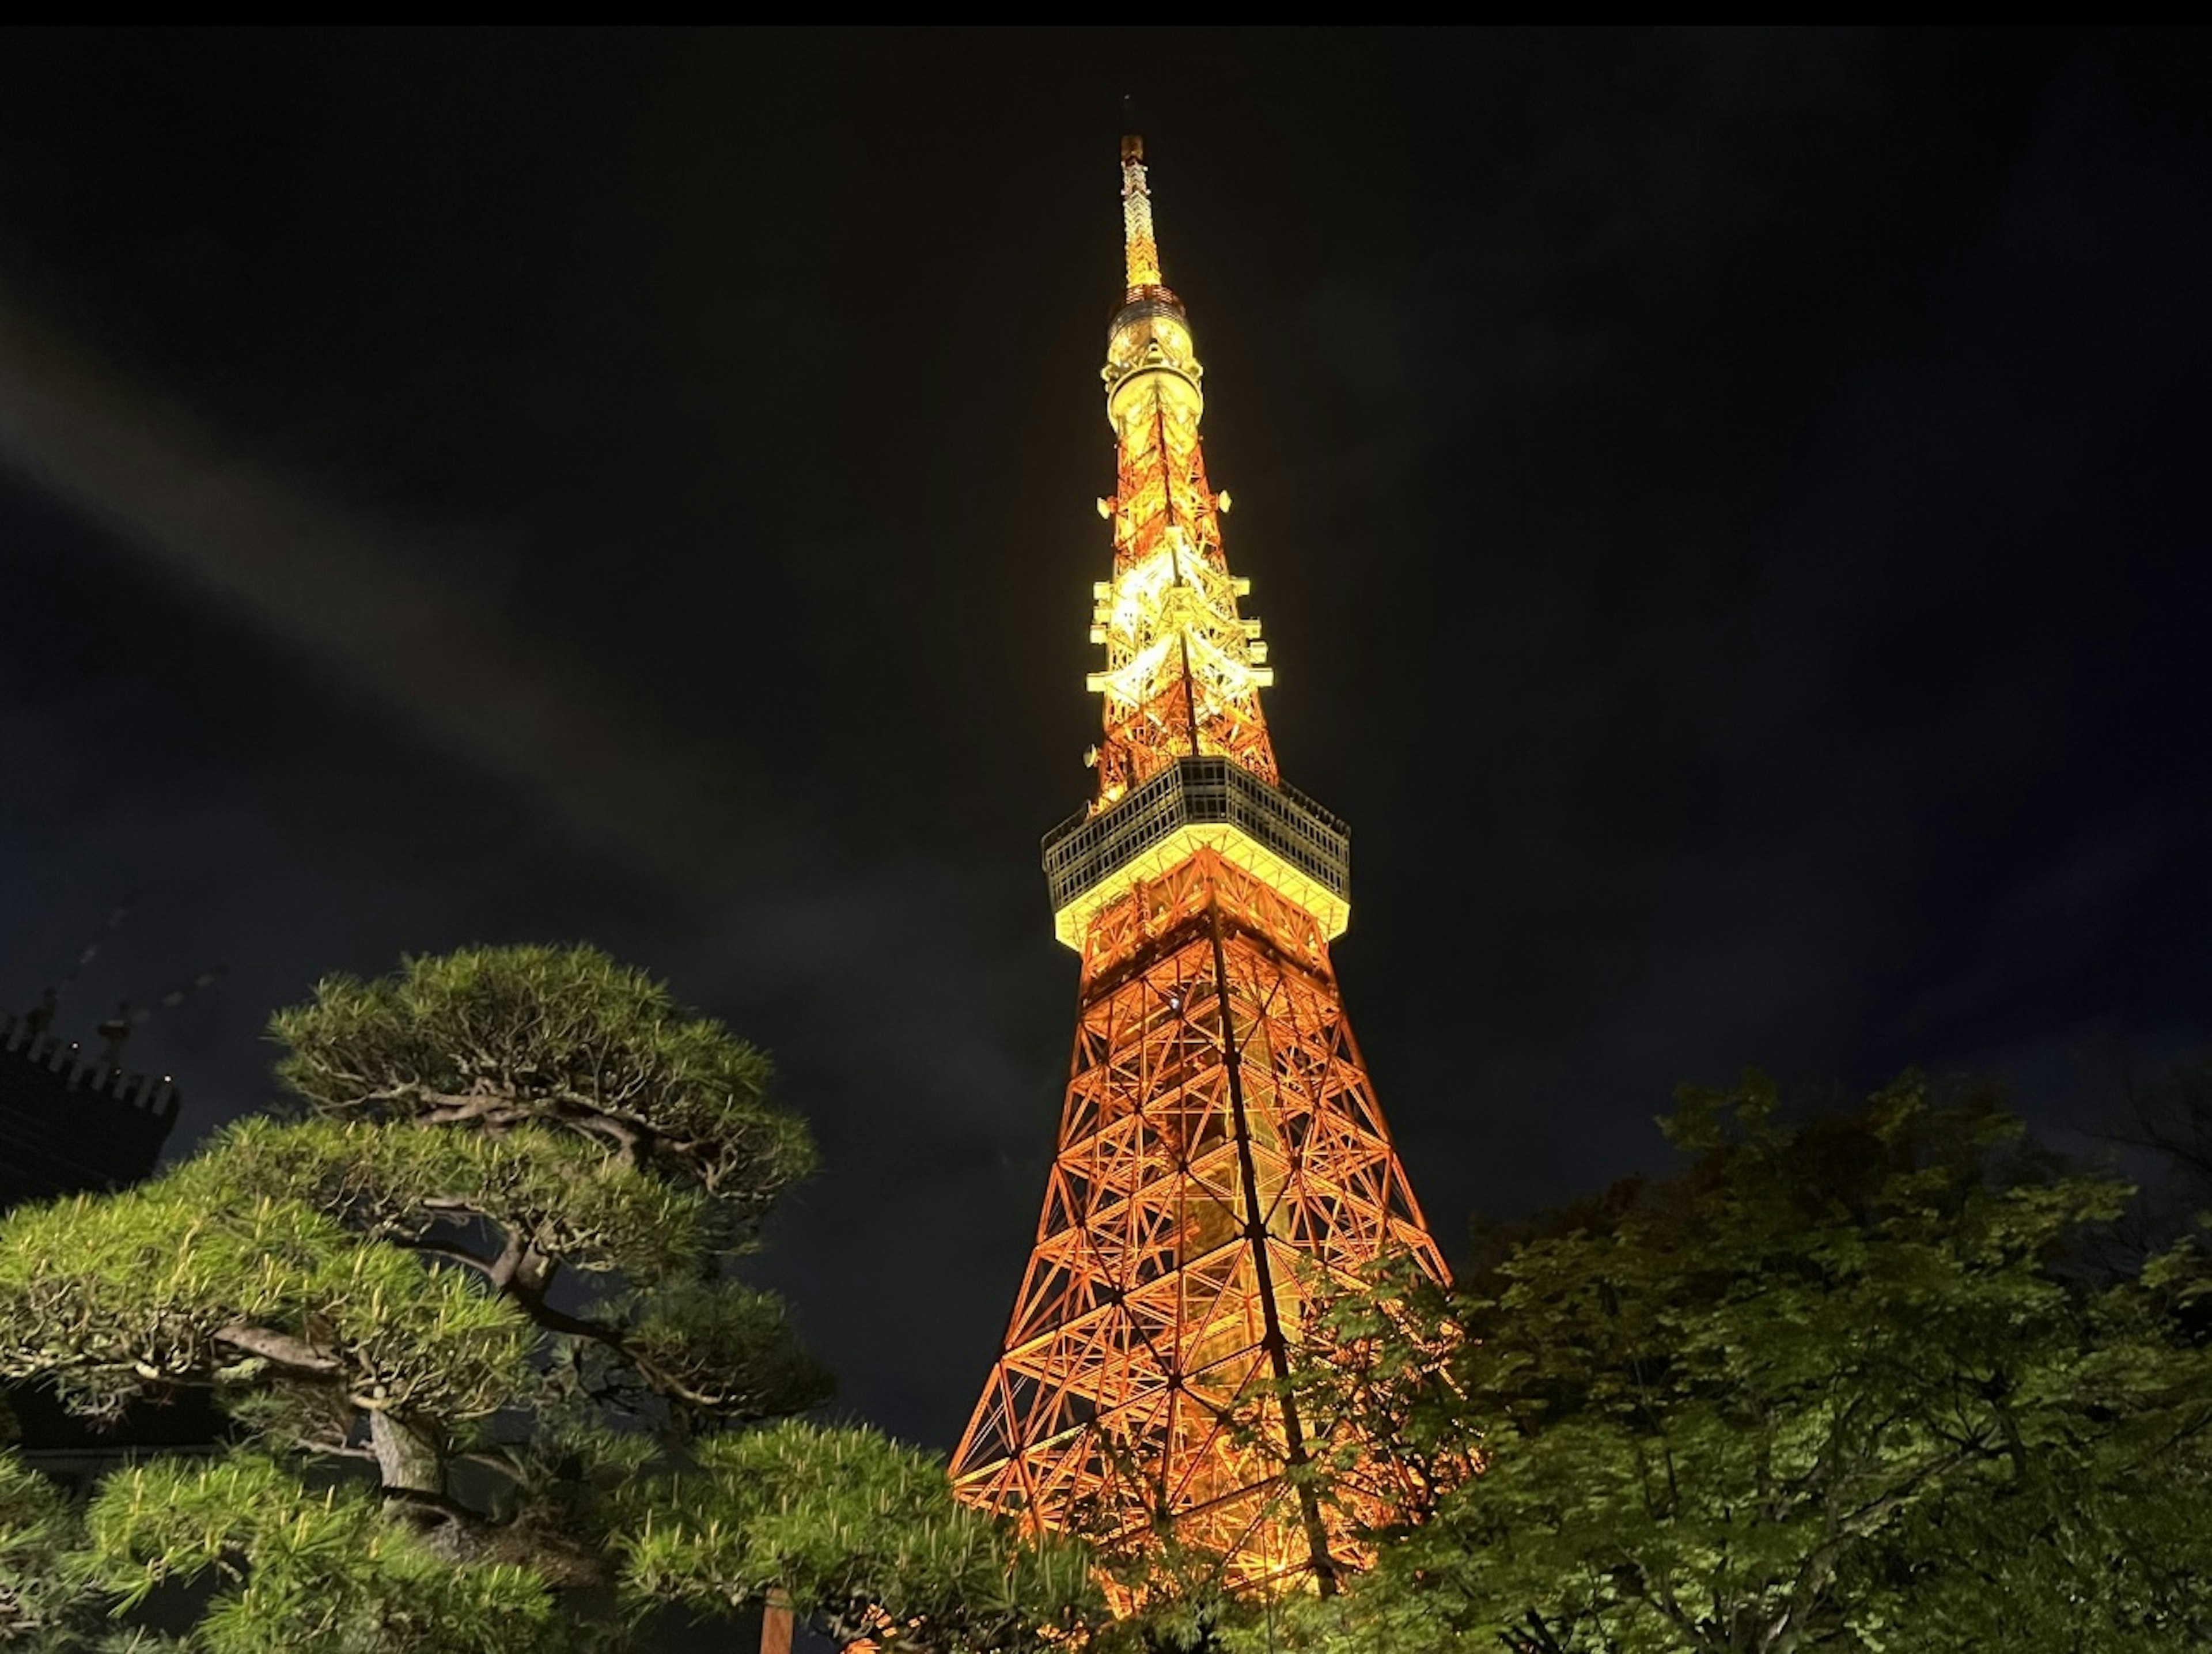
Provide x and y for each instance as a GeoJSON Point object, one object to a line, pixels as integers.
{"type": "Point", "coordinates": [1222, 1159]}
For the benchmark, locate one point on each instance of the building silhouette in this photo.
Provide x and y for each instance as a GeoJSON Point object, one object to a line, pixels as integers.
{"type": "Point", "coordinates": [77, 1124]}
{"type": "Point", "coordinates": [72, 1123]}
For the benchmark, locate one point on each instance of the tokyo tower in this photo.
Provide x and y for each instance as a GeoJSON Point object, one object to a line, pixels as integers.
{"type": "Point", "coordinates": [1221, 1159]}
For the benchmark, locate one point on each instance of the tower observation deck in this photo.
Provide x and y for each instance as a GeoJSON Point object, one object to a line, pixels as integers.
{"type": "Point", "coordinates": [1222, 1161]}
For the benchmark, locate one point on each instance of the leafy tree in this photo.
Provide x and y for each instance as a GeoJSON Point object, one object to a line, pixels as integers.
{"type": "Point", "coordinates": [1839, 1386]}
{"type": "Point", "coordinates": [2097, 1538]}
{"type": "Point", "coordinates": [2171, 1126]}
{"type": "Point", "coordinates": [472, 1308]}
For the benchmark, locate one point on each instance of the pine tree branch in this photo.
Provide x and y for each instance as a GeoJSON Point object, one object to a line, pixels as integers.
{"type": "Point", "coordinates": [284, 1349]}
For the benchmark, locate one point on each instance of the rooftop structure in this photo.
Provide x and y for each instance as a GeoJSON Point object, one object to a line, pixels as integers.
{"type": "Point", "coordinates": [71, 1123]}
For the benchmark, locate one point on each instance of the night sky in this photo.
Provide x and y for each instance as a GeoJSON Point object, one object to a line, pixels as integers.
{"type": "Point", "coordinates": [1729, 513]}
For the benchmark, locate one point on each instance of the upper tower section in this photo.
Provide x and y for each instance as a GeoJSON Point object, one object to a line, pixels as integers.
{"type": "Point", "coordinates": [1183, 669]}
{"type": "Point", "coordinates": [1142, 250]}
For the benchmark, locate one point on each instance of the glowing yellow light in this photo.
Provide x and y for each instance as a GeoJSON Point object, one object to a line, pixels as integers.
{"type": "Point", "coordinates": [1331, 911]}
{"type": "Point", "coordinates": [1143, 253]}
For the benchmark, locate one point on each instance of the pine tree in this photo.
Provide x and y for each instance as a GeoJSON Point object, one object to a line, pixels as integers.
{"type": "Point", "coordinates": [497, 1385]}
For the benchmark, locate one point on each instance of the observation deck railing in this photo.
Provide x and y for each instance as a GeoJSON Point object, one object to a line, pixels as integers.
{"type": "Point", "coordinates": [1085, 849]}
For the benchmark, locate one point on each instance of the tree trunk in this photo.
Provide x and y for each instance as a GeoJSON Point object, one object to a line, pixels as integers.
{"type": "Point", "coordinates": [411, 1467]}
{"type": "Point", "coordinates": [776, 1624]}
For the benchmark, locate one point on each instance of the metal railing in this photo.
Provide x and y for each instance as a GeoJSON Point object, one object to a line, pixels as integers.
{"type": "Point", "coordinates": [1086, 848]}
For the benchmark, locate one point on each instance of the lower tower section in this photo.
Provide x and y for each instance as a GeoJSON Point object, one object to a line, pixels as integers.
{"type": "Point", "coordinates": [1221, 1161]}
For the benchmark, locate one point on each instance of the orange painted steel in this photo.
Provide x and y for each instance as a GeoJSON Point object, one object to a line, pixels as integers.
{"type": "Point", "coordinates": [1222, 1160]}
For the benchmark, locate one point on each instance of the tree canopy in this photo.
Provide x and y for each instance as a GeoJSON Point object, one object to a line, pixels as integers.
{"type": "Point", "coordinates": [470, 1305]}
{"type": "Point", "coordinates": [1855, 1383]}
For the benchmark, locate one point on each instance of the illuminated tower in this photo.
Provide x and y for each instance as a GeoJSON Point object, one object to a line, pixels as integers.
{"type": "Point", "coordinates": [1221, 1154]}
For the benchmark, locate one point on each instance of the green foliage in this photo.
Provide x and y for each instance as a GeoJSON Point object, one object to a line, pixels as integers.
{"type": "Point", "coordinates": [1837, 1386]}
{"type": "Point", "coordinates": [189, 1280]}
{"type": "Point", "coordinates": [301, 1569]}
{"type": "Point", "coordinates": [597, 1214]}
{"type": "Point", "coordinates": [471, 1309]}
{"type": "Point", "coordinates": [1382, 1402]}
{"type": "Point", "coordinates": [864, 1536]}
{"type": "Point", "coordinates": [563, 1037]}
{"type": "Point", "coordinates": [38, 1532]}
{"type": "Point", "coordinates": [2100, 1538]}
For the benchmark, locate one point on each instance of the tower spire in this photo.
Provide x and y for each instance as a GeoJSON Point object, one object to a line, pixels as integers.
{"type": "Point", "coordinates": [1140, 250]}
{"type": "Point", "coordinates": [1184, 669]}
